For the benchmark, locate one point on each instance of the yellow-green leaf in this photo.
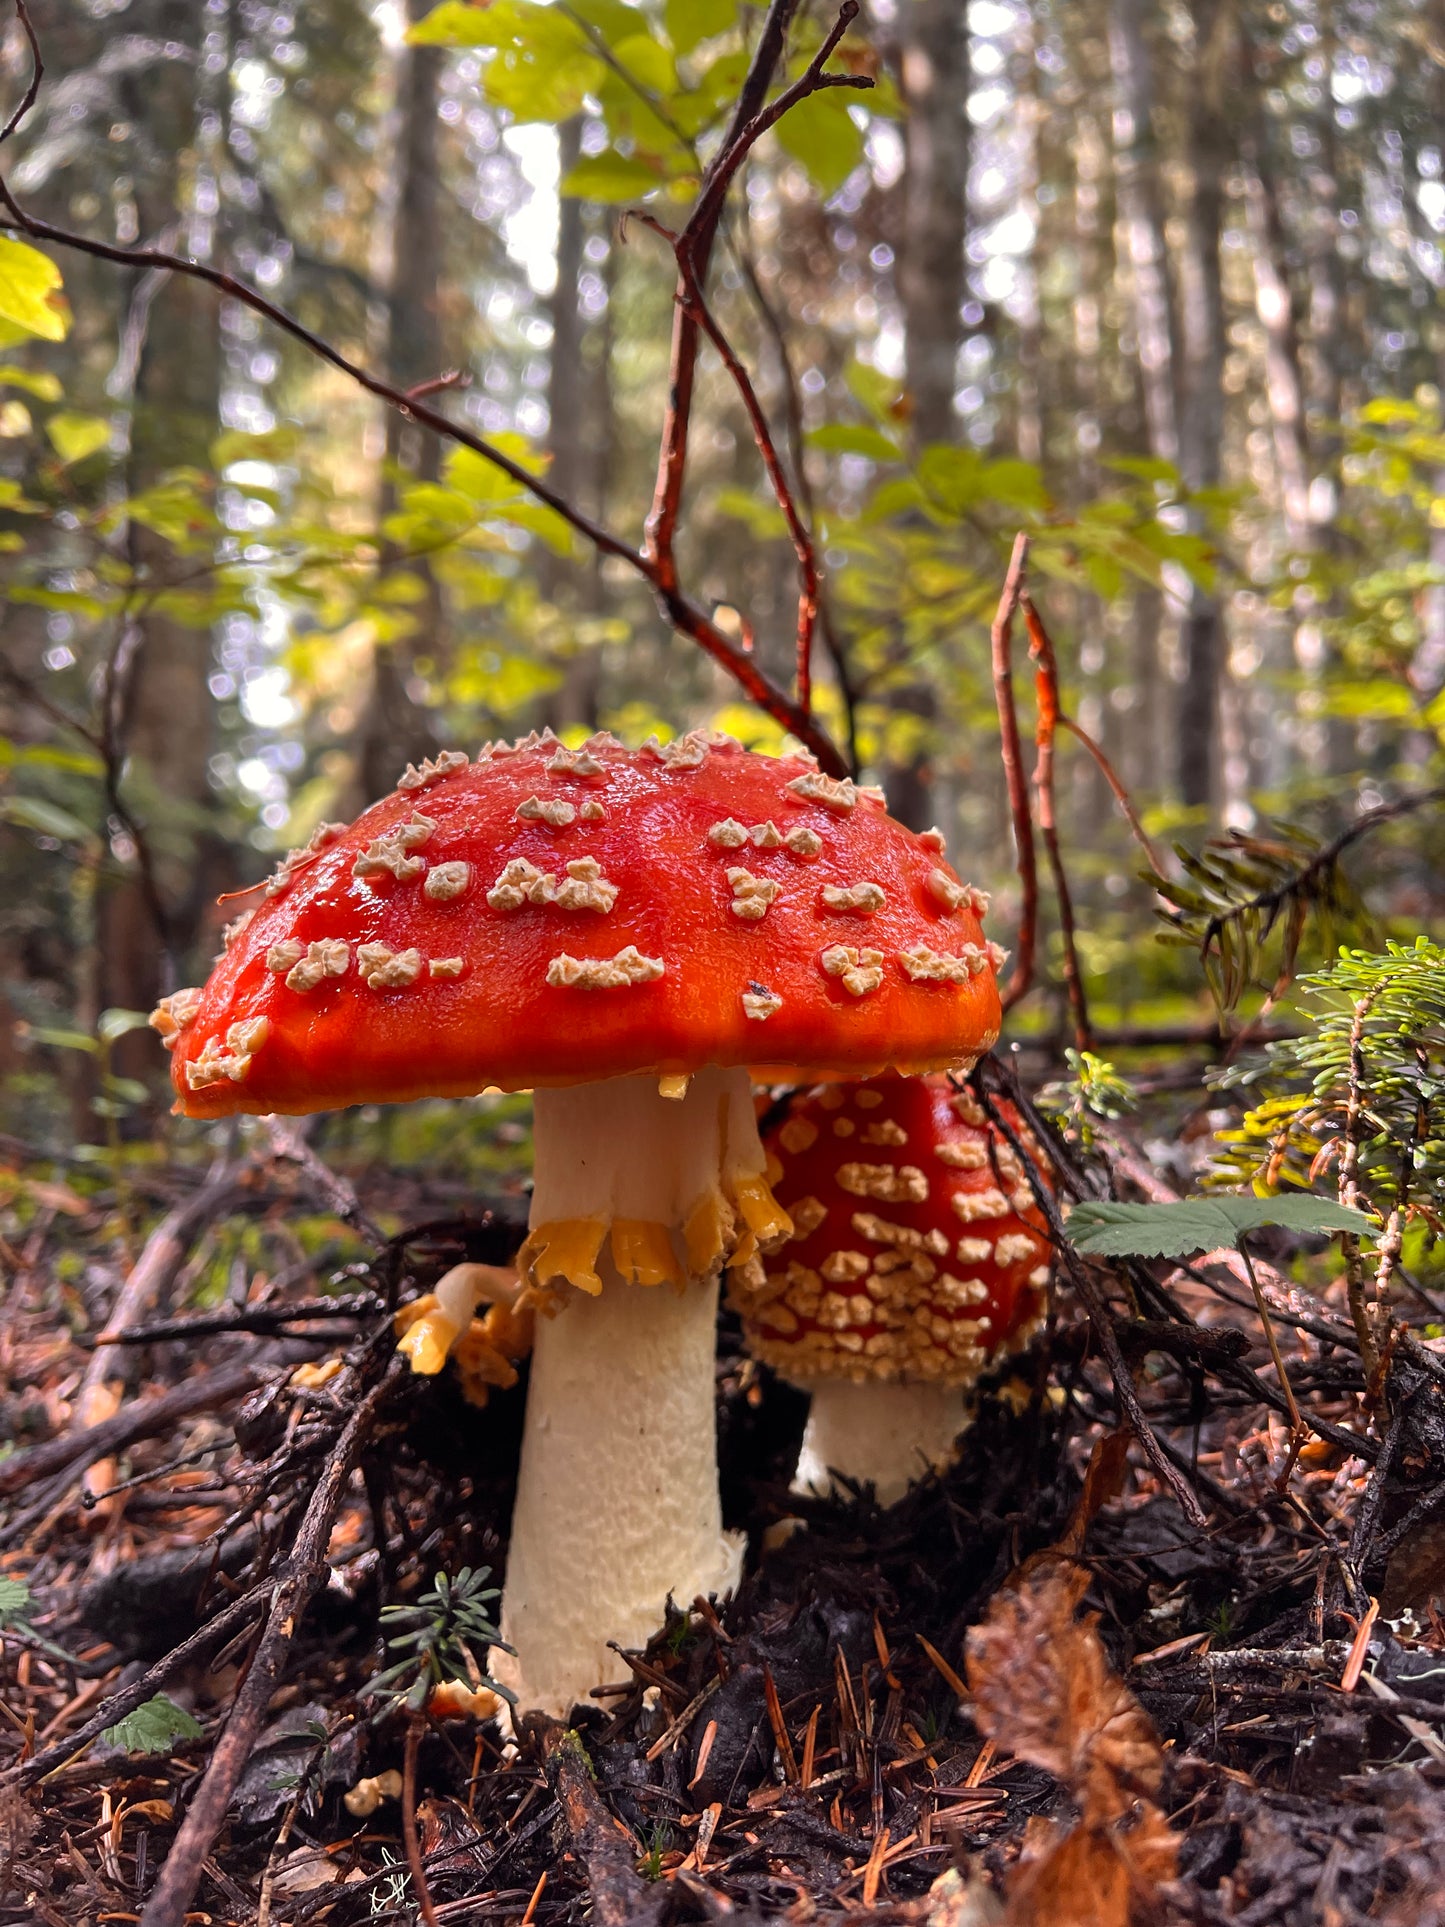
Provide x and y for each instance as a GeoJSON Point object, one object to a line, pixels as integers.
{"type": "Point", "coordinates": [35, 381]}
{"type": "Point", "coordinates": [821, 133]}
{"type": "Point", "coordinates": [610, 177]}
{"type": "Point", "coordinates": [692, 21]}
{"type": "Point", "coordinates": [73, 437]}
{"type": "Point", "coordinates": [30, 291]}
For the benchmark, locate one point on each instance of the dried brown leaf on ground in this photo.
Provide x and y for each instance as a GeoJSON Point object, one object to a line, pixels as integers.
{"type": "Point", "coordinates": [1044, 1690]}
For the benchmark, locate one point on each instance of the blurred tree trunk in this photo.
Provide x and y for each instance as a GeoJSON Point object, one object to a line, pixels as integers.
{"type": "Point", "coordinates": [576, 409]}
{"type": "Point", "coordinates": [1139, 222]}
{"type": "Point", "coordinates": [395, 729]}
{"type": "Point", "coordinates": [933, 64]}
{"type": "Point", "coordinates": [1180, 341]}
{"type": "Point", "coordinates": [934, 72]}
{"type": "Point", "coordinates": [1201, 412]}
{"type": "Point", "coordinates": [1274, 304]}
{"type": "Point", "coordinates": [164, 711]}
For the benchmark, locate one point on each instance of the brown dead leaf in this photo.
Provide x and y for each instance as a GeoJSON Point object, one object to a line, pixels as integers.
{"type": "Point", "coordinates": [1091, 1876]}
{"type": "Point", "coordinates": [1104, 1480]}
{"type": "Point", "coordinates": [1044, 1691]}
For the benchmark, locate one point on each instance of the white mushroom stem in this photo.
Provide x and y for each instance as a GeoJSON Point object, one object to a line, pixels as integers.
{"type": "Point", "coordinates": [617, 1496]}
{"type": "Point", "coordinates": [886, 1435]}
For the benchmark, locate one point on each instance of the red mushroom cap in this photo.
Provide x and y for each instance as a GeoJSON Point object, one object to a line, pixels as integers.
{"type": "Point", "coordinates": [546, 915]}
{"type": "Point", "coordinates": [917, 1249]}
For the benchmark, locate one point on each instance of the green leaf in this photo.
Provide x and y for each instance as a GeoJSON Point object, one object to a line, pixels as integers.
{"type": "Point", "coordinates": [115, 1023]}
{"type": "Point", "coordinates": [689, 22]}
{"type": "Point", "coordinates": [457, 23]}
{"type": "Point", "coordinates": [14, 1602]}
{"type": "Point", "coordinates": [46, 819]}
{"type": "Point", "coordinates": [875, 391]}
{"type": "Point", "coordinates": [152, 1728]}
{"type": "Point", "coordinates": [38, 382]}
{"type": "Point", "coordinates": [29, 291]}
{"type": "Point", "coordinates": [647, 62]}
{"type": "Point", "coordinates": [73, 437]}
{"type": "Point", "coordinates": [56, 1039]}
{"type": "Point", "coordinates": [846, 438]}
{"type": "Point", "coordinates": [610, 177]}
{"type": "Point", "coordinates": [822, 134]}
{"type": "Point", "coordinates": [1108, 1230]}
{"type": "Point", "coordinates": [613, 19]}
{"type": "Point", "coordinates": [75, 762]}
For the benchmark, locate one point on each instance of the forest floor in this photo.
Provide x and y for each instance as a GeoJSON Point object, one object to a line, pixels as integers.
{"type": "Point", "coordinates": [903, 1715]}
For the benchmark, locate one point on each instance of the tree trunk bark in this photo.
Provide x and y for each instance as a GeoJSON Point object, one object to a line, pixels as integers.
{"type": "Point", "coordinates": [934, 70]}
{"type": "Point", "coordinates": [395, 730]}
{"type": "Point", "coordinates": [575, 409]}
{"type": "Point", "coordinates": [1201, 415]}
{"type": "Point", "coordinates": [165, 722]}
{"type": "Point", "coordinates": [934, 80]}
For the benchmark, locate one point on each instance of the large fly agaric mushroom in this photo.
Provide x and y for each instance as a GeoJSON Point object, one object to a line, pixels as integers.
{"type": "Point", "coordinates": [626, 932]}
{"type": "Point", "coordinates": [917, 1257]}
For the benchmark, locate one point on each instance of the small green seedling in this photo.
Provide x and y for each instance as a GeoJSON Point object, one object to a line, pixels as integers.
{"type": "Point", "coordinates": [154, 1727]}
{"type": "Point", "coordinates": [441, 1638]}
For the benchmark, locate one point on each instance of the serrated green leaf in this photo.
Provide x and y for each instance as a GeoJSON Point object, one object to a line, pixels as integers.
{"type": "Point", "coordinates": [153, 1728]}
{"type": "Point", "coordinates": [610, 178]}
{"type": "Point", "coordinates": [73, 437]}
{"type": "Point", "coordinates": [30, 291]}
{"type": "Point", "coordinates": [1110, 1230]}
{"type": "Point", "coordinates": [14, 1602]}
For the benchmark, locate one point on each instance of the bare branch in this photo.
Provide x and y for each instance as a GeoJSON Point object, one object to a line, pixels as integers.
{"type": "Point", "coordinates": [1012, 752]}
{"type": "Point", "coordinates": [1049, 716]}
{"type": "Point", "coordinates": [801, 535]}
{"type": "Point", "coordinates": [751, 121]}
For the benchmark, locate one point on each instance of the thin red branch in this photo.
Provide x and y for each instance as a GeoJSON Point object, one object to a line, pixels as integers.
{"type": "Point", "coordinates": [451, 378]}
{"type": "Point", "coordinates": [655, 566]}
{"type": "Point", "coordinates": [751, 120]}
{"type": "Point", "coordinates": [1012, 751]}
{"type": "Point", "coordinates": [798, 531]}
{"type": "Point", "coordinates": [1048, 717]}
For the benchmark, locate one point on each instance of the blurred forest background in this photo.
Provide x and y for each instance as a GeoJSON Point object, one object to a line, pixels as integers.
{"type": "Point", "coordinates": [1159, 283]}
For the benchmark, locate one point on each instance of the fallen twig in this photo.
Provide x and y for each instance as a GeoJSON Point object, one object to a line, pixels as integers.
{"type": "Point", "coordinates": [143, 1419]}
{"type": "Point", "coordinates": [305, 1572]}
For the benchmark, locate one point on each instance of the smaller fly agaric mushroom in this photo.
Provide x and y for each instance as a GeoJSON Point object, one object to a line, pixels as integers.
{"type": "Point", "coordinates": [917, 1257]}
{"type": "Point", "coordinates": [626, 933]}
